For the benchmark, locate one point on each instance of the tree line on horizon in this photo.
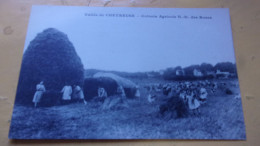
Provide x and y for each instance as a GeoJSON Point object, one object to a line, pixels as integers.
{"type": "Point", "coordinates": [207, 70]}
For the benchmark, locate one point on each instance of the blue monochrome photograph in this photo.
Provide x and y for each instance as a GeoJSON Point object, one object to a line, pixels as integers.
{"type": "Point", "coordinates": [128, 73]}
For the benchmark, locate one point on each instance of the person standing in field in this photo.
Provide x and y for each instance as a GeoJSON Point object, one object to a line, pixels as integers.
{"type": "Point", "coordinates": [182, 95]}
{"type": "Point", "coordinates": [137, 93]}
{"type": "Point", "coordinates": [102, 92]}
{"type": "Point", "coordinates": [203, 95]}
{"type": "Point", "coordinates": [40, 89]}
{"type": "Point", "coordinates": [121, 91]}
{"type": "Point", "coordinates": [193, 103]}
{"type": "Point", "coordinates": [78, 94]}
{"type": "Point", "coordinates": [66, 96]}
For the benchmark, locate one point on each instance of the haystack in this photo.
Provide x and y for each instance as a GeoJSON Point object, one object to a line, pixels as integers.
{"type": "Point", "coordinates": [52, 58]}
{"type": "Point", "coordinates": [130, 87]}
{"type": "Point", "coordinates": [91, 86]}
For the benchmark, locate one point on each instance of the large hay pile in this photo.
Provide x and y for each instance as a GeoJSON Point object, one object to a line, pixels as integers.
{"type": "Point", "coordinates": [130, 87]}
{"type": "Point", "coordinates": [50, 57]}
{"type": "Point", "coordinates": [173, 107]}
{"type": "Point", "coordinates": [91, 86]}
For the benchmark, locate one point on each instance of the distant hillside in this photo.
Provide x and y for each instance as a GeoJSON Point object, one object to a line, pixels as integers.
{"type": "Point", "coordinates": [91, 72]}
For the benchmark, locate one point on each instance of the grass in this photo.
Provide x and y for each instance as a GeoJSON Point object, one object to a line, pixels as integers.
{"type": "Point", "coordinates": [221, 118]}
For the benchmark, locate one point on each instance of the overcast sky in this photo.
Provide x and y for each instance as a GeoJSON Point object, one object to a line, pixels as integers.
{"type": "Point", "coordinates": [139, 44]}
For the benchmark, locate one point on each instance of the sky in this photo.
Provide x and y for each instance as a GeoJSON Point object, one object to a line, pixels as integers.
{"type": "Point", "coordinates": [137, 44]}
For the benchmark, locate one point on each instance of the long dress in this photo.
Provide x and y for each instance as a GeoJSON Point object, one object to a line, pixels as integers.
{"type": "Point", "coordinates": [137, 93]}
{"type": "Point", "coordinates": [102, 92]}
{"type": "Point", "coordinates": [203, 94]}
{"type": "Point", "coordinates": [38, 94]}
{"type": "Point", "coordinates": [67, 90]}
{"type": "Point", "coordinates": [192, 102]}
{"type": "Point", "coordinates": [183, 97]}
{"type": "Point", "coordinates": [121, 91]}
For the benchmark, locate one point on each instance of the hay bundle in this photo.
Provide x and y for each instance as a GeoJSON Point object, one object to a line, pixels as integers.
{"type": "Point", "coordinates": [50, 57]}
{"type": "Point", "coordinates": [114, 103]}
{"type": "Point", "coordinates": [173, 107]}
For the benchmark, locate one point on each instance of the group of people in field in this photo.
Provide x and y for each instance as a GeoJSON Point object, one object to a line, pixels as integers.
{"type": "Point", "coordinates": [73, 93]}
{"type": "Point", "coordinates": [68, 93]}
{"type": "Point", "coordinates": [102, 93]}
{"type": "Point", "coordinates": [193, 94]}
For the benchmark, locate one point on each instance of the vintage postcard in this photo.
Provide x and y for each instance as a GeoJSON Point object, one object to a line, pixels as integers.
{"type": "Point", "coordinates": [128, 73]}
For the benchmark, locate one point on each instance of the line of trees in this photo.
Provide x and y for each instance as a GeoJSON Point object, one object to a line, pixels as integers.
{"type": "Point", "coordinates": [208, 71]}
